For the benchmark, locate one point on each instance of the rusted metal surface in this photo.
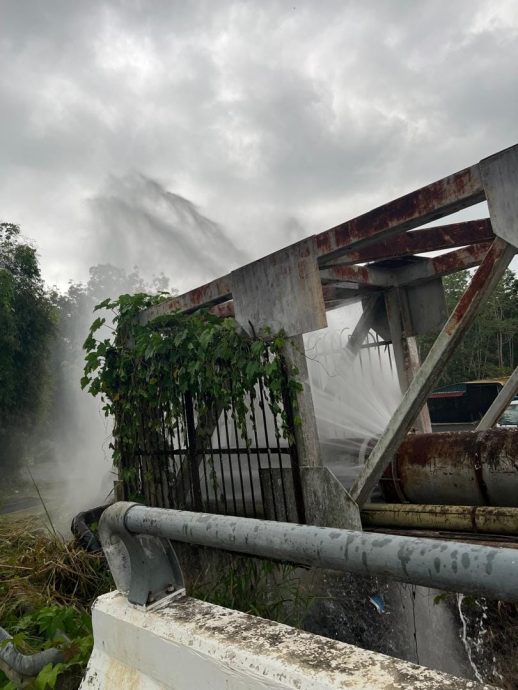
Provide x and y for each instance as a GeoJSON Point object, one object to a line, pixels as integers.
{"type": "Point", "coordinates": [460, 518]}
{"type": "Point", "coordinates": [456, 468]}
{"type": "Point", "coordinates": [281, 291]}
{"type": "Point", "coordinates": [499, 175]}
{"type": "Point", "coordinates": [426, 240]}
{"type": "Point", "coordinates": [496, 540]}
{"type": "Point", "coordinates": [218, 290]}
{"type": "Point", "coordinates": [358, 275]}
{"type": "Point", "coordinates": [224, 310]}
{"type": "Point", "coordinates": [417, 208]}
{"type": "Point", "coordinates": [481, 286]}
{"type": "Point", "coordinates": [338, 296]}
{"type": "Point", "coordinates": [442, 265]}
{"type": "Point", "coordinates": [436, 200]}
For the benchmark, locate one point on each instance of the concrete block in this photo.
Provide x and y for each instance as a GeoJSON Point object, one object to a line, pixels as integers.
{"type": "Point", "coordinates": [194, 645]}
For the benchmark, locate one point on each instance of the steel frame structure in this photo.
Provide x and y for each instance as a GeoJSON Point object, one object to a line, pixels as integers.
{"type": "Point", "coordinates": [377, 254]}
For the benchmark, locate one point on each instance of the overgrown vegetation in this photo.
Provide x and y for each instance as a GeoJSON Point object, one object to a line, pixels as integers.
{"type": "Point", "coordinates": [47, 587]}
{"type": "Point", "coordinates": [276, 591]}
{"type": "Point", "coordinates": [27, 315]}
{"type": "Point", "coordinates": [144, 374]}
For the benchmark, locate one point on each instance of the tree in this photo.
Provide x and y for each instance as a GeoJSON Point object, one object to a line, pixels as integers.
{"type": "Point", "coordinates": [490, 347]}
{"type": "Point", "coordinates": [77, 435]}
{"type": "Point", "coordinates": [27, 317]}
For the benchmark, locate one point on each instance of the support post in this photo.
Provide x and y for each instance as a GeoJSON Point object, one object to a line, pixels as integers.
{"type": "Point", "coordinates": [326, 502]}
{"type": "Point", "coordinates": [481, 286]}
{"type": "Point", "coordinates": [500, 403]}
{"type": "Point", "coordinates": [306, 433]}
{"type": "Point", "coordinates": [363, 326]}
{"type": "Point", "coordinates": [405, 349]}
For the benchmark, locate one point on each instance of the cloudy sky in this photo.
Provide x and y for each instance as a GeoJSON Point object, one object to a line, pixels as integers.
{"type": "Point", "coordinates": [189, 137]}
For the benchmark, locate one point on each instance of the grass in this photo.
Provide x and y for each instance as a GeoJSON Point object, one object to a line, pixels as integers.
{"type": "Point", "coordinates": [276, 591]}
{"type": "Point", "coordinates": [47, 587]}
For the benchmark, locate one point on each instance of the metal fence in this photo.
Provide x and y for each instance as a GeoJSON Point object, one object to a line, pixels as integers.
{"type": "Point", "coordinates": [206, 464]}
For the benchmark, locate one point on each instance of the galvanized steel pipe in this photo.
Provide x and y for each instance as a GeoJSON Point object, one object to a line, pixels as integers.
{"type": "Point", "coordinates": [451, 566]}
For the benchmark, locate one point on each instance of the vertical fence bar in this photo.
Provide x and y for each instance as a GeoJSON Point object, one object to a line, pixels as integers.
{"type": "Point", "coordinates": [192, 456]}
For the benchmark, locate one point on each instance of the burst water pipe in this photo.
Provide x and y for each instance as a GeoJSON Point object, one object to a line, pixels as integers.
{"type": "Point", "coordinates": [22, 667]}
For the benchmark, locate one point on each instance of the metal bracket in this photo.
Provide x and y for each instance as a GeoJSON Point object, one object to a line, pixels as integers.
{"type": "Point", "coordinates": [143, 566]}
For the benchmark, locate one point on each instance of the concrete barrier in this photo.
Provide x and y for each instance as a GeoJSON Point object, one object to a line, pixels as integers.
{"type": "Point", "coordinates": [194, 645]}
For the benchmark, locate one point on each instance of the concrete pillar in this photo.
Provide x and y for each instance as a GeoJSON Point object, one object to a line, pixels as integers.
{"type": "Point", "coordinates": [405, 349]}
{"type": "Point", "coordinates": [326, 501]}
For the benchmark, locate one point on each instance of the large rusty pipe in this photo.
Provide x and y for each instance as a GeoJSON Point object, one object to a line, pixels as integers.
{"type": "Point", "coordinates": [470, 468]}
{"type": "Point", "coordinates": [478, 519]}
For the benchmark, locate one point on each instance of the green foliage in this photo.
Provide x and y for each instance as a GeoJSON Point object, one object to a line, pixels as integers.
{"type": "Point", "coordinates": [47, 586]}
{"type": "Point", "coordinates": [27, 315]}
{"type": "Point", "coordinates": [490, 347]}
{"type": "Point", "coordinates": [64, 627]}
{"type": "Point", "coordinates": [153, 366]}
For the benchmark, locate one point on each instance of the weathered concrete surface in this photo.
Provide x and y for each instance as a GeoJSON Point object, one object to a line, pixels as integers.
{"type": "Point", "coordinates": [281, 291]}
{"type": "Point", "coordinates": [410, 625]}
{"type": "Point", "coordinates": [196, 645]}
{"type": "Point", "coordinates": [327, 502]}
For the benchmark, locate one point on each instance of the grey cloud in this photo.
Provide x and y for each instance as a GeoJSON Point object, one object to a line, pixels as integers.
{"type": "Point", "coordinates": [260, 112]}
{"type": "Point", "coordinates": [137, 220]}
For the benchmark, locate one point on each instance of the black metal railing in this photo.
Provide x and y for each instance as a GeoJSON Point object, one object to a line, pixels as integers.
{"type": "Point", "coordinates": [205, 463]}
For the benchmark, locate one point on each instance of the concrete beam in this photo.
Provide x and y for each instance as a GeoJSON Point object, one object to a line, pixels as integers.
{"type": "Point", "coordinates": [481, 286]}
{"type": "Point", "coordinates": [425, 240]}
{"type": "Point", "coordinates": [405, 349]}
{"type": "Point", "coordinates": [434, 201]}
{"type": "Point", "coordinates": [442, 265]}
{"type": "Point", "coordinates": [369, 276]}
{"type": "Point", "coordinates": [364, 325]}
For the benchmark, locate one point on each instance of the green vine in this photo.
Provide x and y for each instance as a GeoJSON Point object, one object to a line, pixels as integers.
{"type": "Point", "coordinates": [152, 367]}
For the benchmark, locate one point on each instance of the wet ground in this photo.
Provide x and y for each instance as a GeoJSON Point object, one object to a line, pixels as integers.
{"type": "Point", "coordinates": [19, 504]}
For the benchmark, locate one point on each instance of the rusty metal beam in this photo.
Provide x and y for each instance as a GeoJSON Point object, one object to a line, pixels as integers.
{"type": "Point", "coordinates": [417, 208]}
{"type": "Point", "coordinates": [433, 201]}
{"type": "Point", "coordinates": [436, 200]}
{"type": "Point", "coordinates": [224, 310]}
{"type": "Point", "coordinates": [219, 290]}
{"type": "Point", "coordinates": [356, 276]}
{"type": "Point", "coordinates": [333, 297]}
{"type": "Point", "coordinates": [481, 286]}
{"type": "Point", "coordinates": [422, 241]}
{"type": "Point", "coordinates": [443, 265]}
